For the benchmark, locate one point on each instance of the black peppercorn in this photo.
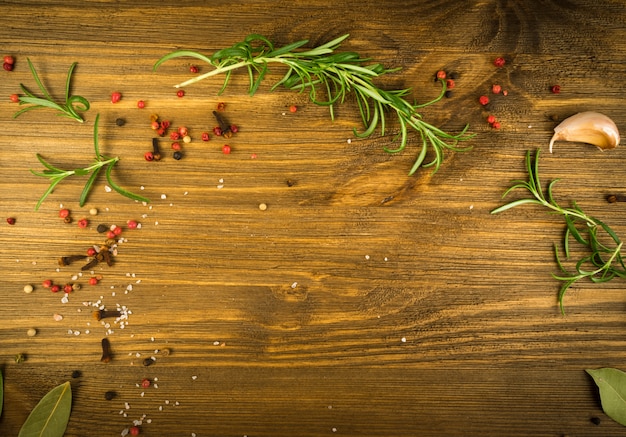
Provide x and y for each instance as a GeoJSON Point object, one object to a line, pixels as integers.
{"type": "Point", "coordinates": [77, 374]}
{"type": "Point", "coordinates": [148, 361]}
{"type": "Point", "coordinates": [177, 155]}
{"type": "Point", "coordinates": [110, 395]}
{"type": "Point", "coordinates": [102, 228]}
{"type": "Point", "coordinates": [120, 122]}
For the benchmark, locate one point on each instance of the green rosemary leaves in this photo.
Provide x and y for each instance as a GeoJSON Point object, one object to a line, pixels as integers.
{"type": "Point", "coordinates": [68, 109]}
{"type": "Point", "coordinates": [56, 175]}
{"type": "Point", "coordinates": [329, 77]}
{"type": "Point", "coordinates": [603, 261]}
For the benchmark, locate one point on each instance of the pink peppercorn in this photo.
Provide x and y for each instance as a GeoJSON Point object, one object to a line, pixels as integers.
{"type": "Point", "coordinates": [132, 224]}
{"type": "Point", "coordinates": [183, 131]}
{"type": "Point", "coordinates": [134, 430]}
{"type": "Point", "coordinates": [491, 119]}
{"type": "Point", "coordinates": [217, 131]}
{"type": "Point", "coordinates": [155, 125]}
{"type": "Point", "coordinates": [55, 288]}
{"type": "Point", "coordinates": [495, 125]}
{"type": "Point", "coordinates": [110, 235]}
{"type": "Point", "coordinates": [11, 220]}
{"type": "Point", "coordinates": [15, 98]}
{"type": "Point", "coordinates": [64, 213]}
{"type": "Point", "coordinates": [555, 89]}
{"type": "Point", "coordinates": [233, 128]}
{"type": "Point", "coordinates": [149, 156]}
{"type": "Point", "coordinates": [160, 131]}
{"type": "Point", "coordinates": [226, 149]}
{"type": "Point", "coordinates": [450, 84]}
{"type": "Point", "coordinates": [68, 288]}
{"type": "Point", "coordinates": [193, 69]}
{"type": "Point", "coordinates": [293, 108]}
{"type": "Point", "coordinates": [205, 136]}
{"type": "Point", "coordinates": [496, 89]}
{"type": "Point", "coordinates": [165, 124]}
{"type": "Point", "coordinates": [9, 59]}
{"type": "Point", "coordinates": [221, 106]}
{"type": "Point", "coordinates": [7, 66]}
{"type": "Point", "coordinates": [441, 74]}
{"type": "Point", "coordinates": [83, 223]}
{"type": "Point", "coordinates": [483, 100]}
{"type": "Point", "coordinates": [91, 251]}
{"type": "Point", "coordinates": [93, 281]}
{"type": "Point", "coordinates": [174, 136]}
{"type": "Point", "coordinates": [176, 146]}
{"type": "Point", "coordinates": [46, 283]}
{"type": "Point", "coordinates": [141, 104]}
{"type": "Point", "coordinates": [499, 62]}
{"type": "Point", "coordinates": [116, 97]}
{"type": "Point", "coordinates": [117, 231]}
{"type": "Point", "coordinates": [145, 383]}
{"type": "Point", "coordinates": [180, 93]}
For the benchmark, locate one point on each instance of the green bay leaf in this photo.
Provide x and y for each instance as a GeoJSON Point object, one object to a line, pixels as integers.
{"type": "Point", "coordinates": [50, 416]}
{"type": "Point", "coordinates": [612, 385]}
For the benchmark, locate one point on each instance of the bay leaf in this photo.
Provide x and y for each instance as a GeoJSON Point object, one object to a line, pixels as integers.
{"type": "Point", "coordinates": [612, 385]}
{"type": "Point", "coordinates": [50, 416]}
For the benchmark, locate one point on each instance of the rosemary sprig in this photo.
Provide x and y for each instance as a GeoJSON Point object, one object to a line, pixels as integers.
{"type": "Point", "coordinates": [68, 109]}
{"type": "Point", "coordinates": [604, 260]}
{"type": "Point", "coordinates": [56, 175]}
{"type": "Point", "coordinates": [329, 77]}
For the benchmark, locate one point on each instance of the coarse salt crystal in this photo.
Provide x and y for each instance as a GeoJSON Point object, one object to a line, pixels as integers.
{"type": "Point", "coordinates": [107, 188]}
{"type": "Point", "coordinates": [163, 196]}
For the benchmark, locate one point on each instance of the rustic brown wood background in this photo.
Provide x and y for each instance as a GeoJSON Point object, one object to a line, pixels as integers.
{"type": "Point", "coordinates": [363, 301]}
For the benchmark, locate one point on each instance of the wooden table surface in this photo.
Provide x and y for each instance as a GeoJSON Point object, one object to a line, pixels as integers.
{"type": "Point", "coordinates": [362, 301]}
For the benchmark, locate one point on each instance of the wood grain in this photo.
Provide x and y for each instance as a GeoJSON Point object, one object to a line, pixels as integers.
{"type": "Point", "coordinates": [362, 301]}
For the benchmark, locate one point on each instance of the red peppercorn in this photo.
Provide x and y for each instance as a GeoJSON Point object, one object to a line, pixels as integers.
{"type": "Point", "coordinates": [174, 136]}
{"type": "Point", "coordinates": [182, 131]}
{"type": "Point", "coordinates": [64, 213]}
{"type": "Point", "coordinates": [491, 119]}
{"type": "Point", "coordinates": [180, 93]}
{"type": "Point", "coordinates": [495, 125]}
{"type": "Point", "coordinates": [11, 220]}
{"type": "Point", "coordinates": [93, 281]}
{"type": "Point", "coordinates": [499, 62]}
{"type": "Point", "coordinates": [116, 97]}
{"type": "Point", "coordinates": [7, 66]}
{"type": "Point", "coordinates": [132, 224]}
{"type": "Point", "coordinates": [226, 149]}
{"type": "Point", "coordinates": [155, 125]}
{"type": "Point", "coordinates": [15, 98]}
{"type": "Point", "coordinates": [145, 383]}
{"type": "Point", "coordinates": [149, 156]}
{"type": "Point", "coordinates": [68, 288]}
{"type": "Point", "coordinates": [253, 156]}
{"type": "Point", "coordinates": [221, 106]}
{"type": "Point", "coordinates": [165, 124]}
{"type": "Point", "coordinates": [217, 131]}
{"type": "Point", "coordinates": [176, 146]}
{"type": "Point", "coordinates": [9, 59]}
{"type": "Point", "coordinates": [141, 104]}
{"type": "Point", "coordinates": [117, 231]}
{"type": "Point", "coordinates": [193, 69]}
{"type": "Point", "coordinates": [450, 84]}
{"type": "Point", "coordinates": [160, 131]}
{"type": "Point", "coordinates": [134, 430]}
{"type": "Point", "coordinates": [483, 100]}
{"type": "Point", "coordinates": [46, 283]}
{"type": "Point", "coordinates": [293, 108]}
{"type": "Point", "coordinates": [441, 74]}
{"type": "Point", "coordinates": [91, 251]}
{"type": "Point", "coordinates": [496, 89]}
{"type": "Point", "coordinates": [55, 288]}
{"type": "Point", "coordinates": [110, 235]}
{"type": "Point", "coordinates": [205, 136]}
{"type": "Point", "coordinates": [505, 93]}
{"type": "Point", "coordinates": [555, 89]}
{"type": "Point", "coordinates": [83, 223]}
{"type": "Point", "coordinates": [233, 128]}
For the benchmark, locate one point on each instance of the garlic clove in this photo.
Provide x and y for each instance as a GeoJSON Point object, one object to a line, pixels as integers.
{"type": "Point", "coordinates": [588, 127]}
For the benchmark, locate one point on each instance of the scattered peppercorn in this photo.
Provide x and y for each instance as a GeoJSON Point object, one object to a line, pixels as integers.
{"type": "Point", "coordinates": [205, 136]}
{"type": "Point", "coordinates": [450, 84]}
{"type": "Point", "coordinates": [55, 288]}
{"type": "Point", "coordinates": [141, 104]}
{"type": "Point", "coordinates": [120, 122]}
{"type": "Point", "coordinates": [441, 74]}
{"type": "Point", "coordinates": [64, 213]}
{"type": "Point", "coordinates": [77, 374]}
{"type": "Point", "coordinates": [555, 89]}
{"type": "Point", "coordinates": [132, 224]}
{"type": "Point", "coordinates": [491, 119]}
{"type": "Point", "coordinates": [28, 288]}
{"type": "Point", "coordinates": [499, 62]}
{"type": "Point", "coordinates": [31, 332]}
{"type": "Point", "coordinates": [234, 128]}
{"type": "Point", "coordinates": [193, 69]}
{"type": "Point", "coordinates": [68, 288]}
{"type": "Point", "coordinates": [176, 146]}
{"type": "Point", "coordinates": [174, 136]}
{"type": "Point", "coordinates": [448, 94]}
{"type": "Point", "coordinates": [217, 131]}
{"type": "Point", "coordinates": [483, 100]}
{"type": "Point", "coordinates": [226, 149]}
{"type": "Point", "coordinates": [102, 228]}
{"type": "Point", "coordinates": [495, 125]}
{"type": "Point", "coordinates": [496, 89]}
{"type": "Point", "coordinates": [145, 383]}
{"type": "Point", "coordinates": [93, 281]}
{"type": "Point", "coordinates": [116, 97]}
{"type": "Point", "coordinates": [15, 98]}
{"type": "Point", "coordinates": [83, 223]}
{"type": "Point", "coordinates": [148, 361]}
{"type": "Point", "coordinates": [9, 59]}
{"type": "Point", "coordinates": [293, 108]}
{"type": "Point", "coordinates": [11, 220]}
{"type": "Point", "coordinates": [221, 106]}
{"type": "Point", "coordinates": [7, 66]}
{"type": "Point", "coordinates": [180, 93]}
{"type": "Point", "coordinates": [46, 283]}
{"type": "Point", "coordinates": [177, 155]}
{"type": "Point", "coordinates": [134, 430]}
{"type": "Point", "coordinates": [148, 156]}
{"type": "Point", "coordinates": [91, 251]}
{"type": "Point", "coordinates": [595, 420]}
{"type": "Point", "coordinates": [110, 395]}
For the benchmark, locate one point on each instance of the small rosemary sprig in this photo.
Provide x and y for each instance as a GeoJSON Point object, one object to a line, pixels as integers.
{"type": "Point", "coordinates": [56, 175]}
{"type": "Point", "coordinates": [604, 260]}
{"type": "Point", "coordinates": [321, 71]}
{"type": "Point", "coordinates": [68, 109]}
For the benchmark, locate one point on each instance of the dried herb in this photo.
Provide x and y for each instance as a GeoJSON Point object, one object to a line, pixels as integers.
{"type": "Point", "coordinates": [56, 175]}
{"type": "Point", "coordinates": [329, 77]}
{"type": "Point", "coordinates": [68, 109]}
{"type": "Point", "coordinates": [50, 416]}
{"type": "Point", "coordinates": [604, 259]}
{"type": "Point", "coordinates": [612, 385]}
